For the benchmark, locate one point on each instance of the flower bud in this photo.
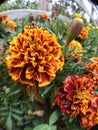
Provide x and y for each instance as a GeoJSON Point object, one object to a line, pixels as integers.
{"type": "Point", "coordinates": [74, 29]}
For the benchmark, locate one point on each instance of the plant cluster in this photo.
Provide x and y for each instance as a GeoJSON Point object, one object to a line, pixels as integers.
{"type": "Point", "coordinates": [48, 74]}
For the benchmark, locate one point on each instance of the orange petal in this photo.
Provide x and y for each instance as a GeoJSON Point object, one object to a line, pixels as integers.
{"type": "Point", "coordinates": [30, 72]}
{"type": "Point", "coordinates": [24, 80]}
{"type": "Point", "coordinates": [15, 73]}
{"type": "Point", "coordinates": [43, 79]}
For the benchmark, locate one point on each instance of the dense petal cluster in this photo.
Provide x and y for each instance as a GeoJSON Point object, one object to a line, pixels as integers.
{"type": "Point", "coordinates": [75, 50]}
{"type": "Point", "coordinates": [3, 17]}
{"type": "Point", "coordinates": [77, 97]}
{"type": "Point", "coordinates": [83, 34]}
{"type": "Point", "coordinates": [91, 118]}
{"type": "Point", "coordinates": [34, 56]}
{"type": "Point", "coordinates": [43, 16]}
{"type": "Point", "coordinates": [93, 68]}
{"type": "Point", "coordinates": [9, 23]}
{"type": "Point", "coordinates": [77, 47]}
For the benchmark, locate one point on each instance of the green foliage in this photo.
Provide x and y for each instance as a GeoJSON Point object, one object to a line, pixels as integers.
{"type": "Point", "coordinates": [16, 109]}
{"type": "Point", "coordinates": [18, 4]}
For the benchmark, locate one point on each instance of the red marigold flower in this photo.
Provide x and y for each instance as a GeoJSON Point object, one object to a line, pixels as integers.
{"type": "Point", "coordinates": [93, 67]}
{"type": "Point", "coordinates": [34, 55]}
{"type": "Point", "coordinates": [91, 118]}
{"type": "Point", "coordinates": [75, 96]}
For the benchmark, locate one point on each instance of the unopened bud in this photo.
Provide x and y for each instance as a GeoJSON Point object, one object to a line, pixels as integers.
{"type": "Point", "coordinates": [31, 17]}
{"type": "Point", "coordinates": [74, 29]}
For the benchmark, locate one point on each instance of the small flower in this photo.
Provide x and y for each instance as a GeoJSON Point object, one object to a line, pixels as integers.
{"type": "Point", "coordinates": [11, 24]}
{"type": "Point", "coordinates": [43, 16]}
{"type": "Point", "coordinates": [91, 118]}
{"type": "Point", "coordinates": [77, 47]}
{"type": "Point", "coordinates": [34, 56]}
{"type": "Point", "coordinates": [3, 17]}
{"type": "Point", "coordinates": [83, 34]}
{"type": "Point", "coordinates": [92, 69]}
{"type": "Point", "coordinates": [77, 15]}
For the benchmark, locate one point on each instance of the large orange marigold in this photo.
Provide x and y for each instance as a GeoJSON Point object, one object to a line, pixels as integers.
{"type": "Point", "coordinates": [34, 56]}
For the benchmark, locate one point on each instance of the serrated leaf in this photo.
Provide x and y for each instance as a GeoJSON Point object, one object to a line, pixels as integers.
{"type": "Point", "coordinates": [17, 111]}
{"type": "Point", "coordinates": [14, 92]}
{"type": "Point", "coordinates": [43, 127]}
{"type": "Point", "coordinates": [9, 122]}
{"type": "Point", "coordinates": [17, 117]}
{"type": "Point", "coordinates": [54, 117]}
{"type": "Point", "coordinates": [4, 114]}
{"type": "Point", "coordinates": [47, 90]}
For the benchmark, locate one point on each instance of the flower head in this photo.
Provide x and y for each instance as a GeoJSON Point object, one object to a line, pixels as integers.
{"type": "Point", "coordinates": [91, 118]}
{"type": "Point", "coordinates": [3, 17]}
{"type": "Point", "coordinates": [34, 56]}
{"type": "Point", "coordinates": [74, 97]}
{"type": "Point", "coordinates": [93, 67]}
{"type": "Point", "coordinates": [11, 24]}
{"type": "Point", "coordinates": [77, 15]}
{"type": "Point", "coordinates": [83, 34]}
{"type": "Point", "coordinates": [77, 48]}
{"type": "Point", "coordinates": [43, 16]}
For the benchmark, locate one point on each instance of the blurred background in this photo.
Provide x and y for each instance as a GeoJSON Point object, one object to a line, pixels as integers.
{"type": "Point", "coordinates": [59, 7]}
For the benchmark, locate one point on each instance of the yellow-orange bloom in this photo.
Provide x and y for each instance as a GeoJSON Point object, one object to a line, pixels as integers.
{"type": "Point", "coordinates": [91, 118]}
{"type": "Point", "coordinates": [77, 15]}
{"type": "Point", "coordinates": [34, 56]}
{"type": "Point", "coordinates": [75, 49]}
{"type": "Point", "coordinates": [83, 34]}
{"type": "Point", "coordinates": [93, 67]}
{"type": "Point", "coordinates": [44, 16]}
{"type": "Point", "coordinates": [11, 24]}
{"type": "Point", "coordinates": [3, 17]}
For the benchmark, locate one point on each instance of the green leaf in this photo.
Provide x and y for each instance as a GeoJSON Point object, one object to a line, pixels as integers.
{"type": "Point", "coordinates": [28, 128]}
{"type": "Point", "coordinates": [53, 127]}
{"type": "Point", "coordinates": [46, 90]}
{"type": "Point", "coordinates": [43, 127]}
{"type": "Point", "coordinates": [17, 117]}
{"type": "Point", "coordinates": [9, 122]}
{"type": "Point", "coordinates": [54, 117]}
{"type": "Point", "coordinates": [17, 111]}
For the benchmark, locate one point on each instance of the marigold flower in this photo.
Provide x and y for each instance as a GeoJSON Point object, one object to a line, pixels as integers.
{"type": "Point", "coordinates": [34, 56]}
{"type": "Point", "coordinates": [77, 15]}
{"type": "Point", "coordinates": [3, 17]}
{"type": "Point", "coordinates": [91, 118]}
{"type": "Point", "coordinates": [11, 24]}
{"type": "Point", "coordinates": [78, 48]}
{"type": "Point", "coordinates": [93, 67]}
{"type": "Point", "coordinates": [74, 98]}
{"type": "Point", "coordinates": [83, 34]}
{"type": "Point", "coordinates": [44, 16]}
{"type": "Point", "coordinates": [87, 27]}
